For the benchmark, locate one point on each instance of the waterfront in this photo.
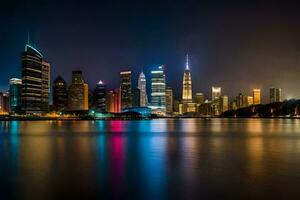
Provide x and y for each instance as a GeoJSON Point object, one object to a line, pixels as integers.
{"type": "Point", "coordinates": [150, 159]}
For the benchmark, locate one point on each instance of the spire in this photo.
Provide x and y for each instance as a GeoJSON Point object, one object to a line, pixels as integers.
{"type": "Point", "coordinates": [28, 38]}
{"type": "Point", "coordinates": [187, 62]}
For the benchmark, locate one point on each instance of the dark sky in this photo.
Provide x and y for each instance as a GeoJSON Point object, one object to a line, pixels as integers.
{"type": "Point", "coordinates": [235, 45]}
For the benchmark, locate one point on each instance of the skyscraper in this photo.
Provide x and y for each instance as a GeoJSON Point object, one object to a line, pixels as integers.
{"type": "Point", "coordinates": [215, 93]}
{"type": "Point", "coordinates": [35, 81]}
{"type": "Point", "coordinates": [15, 88]}
{"type": "Point", "coordinates": [187, 95]}
{"type": "Point", "coordinates": [143, 90]}
{"type": "Point", "coordinates": [169, 100]}
{"type": "Point", "coordinates": [126, 90]}
{"type": "Point", "coordinates": [136, 99]}
{"type": "Point", "coordinates": [100, 97]}
{"type": "Point", "coordinates": [114, 101]}
{"type": "Point", "coordinates": [158, 89]}
{"type": "Point", "coordinates": [60, 94]}
{"type": "Point", "coordinates": [275, 94]}
{"type": "Point", "coordinates": [256, 96]}
{"type": "Point", "coordinates": [223, 104]}
{"type": "Point", "coordinates": [77, 93]}
{"type": "Point", "coordinates": [4, 103]}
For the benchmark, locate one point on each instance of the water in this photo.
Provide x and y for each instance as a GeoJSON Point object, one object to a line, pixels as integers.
{"type": "Point", "coordinates": [156, 159]}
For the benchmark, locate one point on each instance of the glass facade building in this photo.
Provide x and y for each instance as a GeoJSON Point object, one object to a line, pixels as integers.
{"type": "Point", "coordinates": [15, 89]}
{"type": "Point", "coordinates": [126, 90]}
{"type": "Point", "coordinates": [158, 89]}
{"type": "Point", "coordinates": [60, 94]}
{"type": "Point", "coordinates": [100, 97]}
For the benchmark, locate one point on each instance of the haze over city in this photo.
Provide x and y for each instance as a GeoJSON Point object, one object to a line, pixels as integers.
{"type": "Point", "coordinates": [237, 46]}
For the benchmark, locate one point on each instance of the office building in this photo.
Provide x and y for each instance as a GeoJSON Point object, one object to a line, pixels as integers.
{"type": "Point", "coordinates": [60, 94]}
{"type": "Point", "coordinates": [126, 90]}
{"type": "Point", "coordinates": [78, 93]}
{"type": "Point", "coordinates": [249, 100]}
{"type": "Point", "coordinates": [187, 95]}
{"type": "Point", "coordinates": [223, 104]}
{"type": "Point", "coordinates": [114, 101]}
{"type": "Point", "coordinates": [158, 90]}
{"type": "Point", "coordinates": [169, 100]}
{"type": "Point", "coordinates": [142, 85]}
{"type": "Point", "coordinates": [275, 95]}
{"type": "Point", "coordinates": [100, 97]}
{"type": "Point", "coordinates": [256, 96]}
{"type": "Point", "coordinates": [35, 82]}
{"type": "Point", "coordinates": [15, 89]}
{"type": "Point", "coordinates": [215, 93]}
{"type": "Point", "coordinates": [136, 99]}
{"type": "Point", "coordinates": [199, 98]}
{"type": "Point", "coordinates": [4, 103]}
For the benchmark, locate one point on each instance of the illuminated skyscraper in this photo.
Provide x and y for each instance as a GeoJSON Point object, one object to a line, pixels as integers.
{"type": "Point", "coordinates": [256, 96]}
{"type": "Point", "coordinates": [249, 101]}
{"type": "Point", "coordinates": [126, 90]}
{"type": "Point", "coordinates": [223, 104]}
{"type": "Point", "coordinates": [187, 95]}
{"type": "Point", "coordinates": [100, 97]}
{"type": "Point", "coordinates": [143, 90]}
{"type": "Point", "coordinates": [169, 100]}
{"type": "Point", "coordinates": [114, 101]}
{"type": "Point", "coordinates": [275, 94]}
{"type": "Point", "coordinates": [158, 89]}
{"type": "Point", "coordinates": [4, 103]}
{"type": "Point", "coordinates": [78, 93]}
{"type": "Point", "coordinates": [15, 88]}
{"type": "Point", "coordinates": [35, 82]}
{"type": "Point", "coordinates": [215, 93]}
{"type": "Point", "coordinates": [60, 94]}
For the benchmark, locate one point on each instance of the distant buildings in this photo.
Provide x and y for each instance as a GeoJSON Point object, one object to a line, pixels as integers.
{"type": "Point", "coordinates": [215, 93]}
{"type": "Point", "coordinates": [78, 93]}
{"type": "Point", "coordinates": [215, 96]}
{"type": "Point", "coordinates": [100, 97]}
{"type": "Point", "coordinates": [35, 82]}
{"type": "Point", "coordinates": [60, 94]}
{"type": "Point", "coordinates": [142, 86]}
{"type": "Point", "coordinates": [15, 89]}
{"type": "Point", "coordinates": [275, 95]}
{"type": "Point", "coordinates": [256, 96]}
{"type": "Point", "coordinates": [158, 90]}
{"type": "Point", "coordinates": [169, 100]}
{"type": "Point", "coordinates": [126, 89]}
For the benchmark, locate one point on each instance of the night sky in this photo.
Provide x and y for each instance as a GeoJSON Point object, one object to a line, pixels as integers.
{"type": "Point", "coordinates": [237, 46]}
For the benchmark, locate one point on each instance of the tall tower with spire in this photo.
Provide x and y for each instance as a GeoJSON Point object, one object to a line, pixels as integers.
{"type": "Point", "coordinates": [142, 88]}
{"type": "Point", "coordinates": [187, 95]}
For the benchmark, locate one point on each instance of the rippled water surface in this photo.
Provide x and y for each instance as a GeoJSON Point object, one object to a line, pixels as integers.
{"type": "Point", "coordinates": [155, 159]}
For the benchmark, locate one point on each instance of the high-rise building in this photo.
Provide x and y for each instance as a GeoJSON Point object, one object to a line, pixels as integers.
{"type": "Point", "coordinates": [158, 89]}
{"type": "Point", "coordinates": [187, 95]}
{"type": "Point", "coordinates": [114, 101]}
{"type": "Point", "coordinates": [4, 103]}
{"type": "Point", "coordinates": [126, 90]}
{"type": "Point", "coordinates": [136, 99]}
{"type": "Point", "coordinates": [35, 82]}
{"type": "Point", "coordinates": [77, 93]}
{"type": "Point", "coordinates": [256, 96]}
{"type": "Point", "coordinates": [169, 100]}
{"type": "Point", "coordinates": [100, 97]}
{"type": "Point", "coordinates": [275, 95]}
{"type": "Point", "coordinates": [215, 93]}
{"type": "Point", "coordinates": [60, 94]}
{"type": "Point", "coordinates": [223, 104]}
{"type": "Point", "coordinates": [241, 101]}
{"type": "Point", "coordinates": [143, 90]}
{"type": "Point", "coordinates": [15, 89]}
{"type": "Point", "coordinates": [249, 101]}
{"type": "Point", "coordinates": [199, 98]}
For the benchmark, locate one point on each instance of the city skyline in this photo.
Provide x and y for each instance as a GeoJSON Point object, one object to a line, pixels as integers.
{"type": "Point", "coordinates": [225, 50]}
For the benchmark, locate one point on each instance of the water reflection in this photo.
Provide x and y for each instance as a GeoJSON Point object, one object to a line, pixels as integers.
{"type": "Point", "coordinates": [148, 159]}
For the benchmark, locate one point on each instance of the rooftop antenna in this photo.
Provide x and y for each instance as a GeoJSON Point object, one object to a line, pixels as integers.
{"type": "Point", "coordinates": [187, 62]}
{"type": "Point", "coordinates": [28, 38]}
